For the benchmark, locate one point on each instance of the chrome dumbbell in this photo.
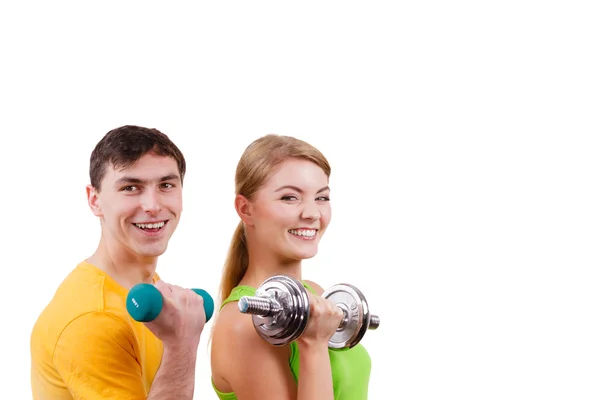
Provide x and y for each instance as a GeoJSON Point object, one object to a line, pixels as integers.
{"type": "Point", "coordinates": [280, 312]}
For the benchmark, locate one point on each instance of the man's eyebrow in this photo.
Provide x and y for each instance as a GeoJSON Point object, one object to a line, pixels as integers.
{"type": "Point", "coordinates": [128, 179]}
{"type": "Point", "coordinates": [170, 177]}
{"type": "Point", "coordinates": [297, 189]}
{"type": "Point", "coordinates": [133, 180]}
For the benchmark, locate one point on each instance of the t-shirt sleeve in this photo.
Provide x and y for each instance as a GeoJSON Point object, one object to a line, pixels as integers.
{"type": "Point", "coordinates": [96, 359]}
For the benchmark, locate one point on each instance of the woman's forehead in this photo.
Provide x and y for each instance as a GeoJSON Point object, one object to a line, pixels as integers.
{"type": "Point", "coordinates": [304, 174]}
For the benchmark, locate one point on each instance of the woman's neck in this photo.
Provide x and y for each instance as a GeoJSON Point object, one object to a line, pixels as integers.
{"type": "Point", "coordinates": [262, 267]}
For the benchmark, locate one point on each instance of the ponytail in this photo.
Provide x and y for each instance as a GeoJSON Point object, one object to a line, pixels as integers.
{"type": "Point", "coordinates": [236, 263]}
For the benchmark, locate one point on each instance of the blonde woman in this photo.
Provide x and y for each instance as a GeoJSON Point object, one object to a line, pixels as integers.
{"type": "Point", "coordinates": [282, 199]}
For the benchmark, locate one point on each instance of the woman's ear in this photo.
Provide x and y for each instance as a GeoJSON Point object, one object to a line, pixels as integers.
{"type": "Point", "coordinates": [243, 207]}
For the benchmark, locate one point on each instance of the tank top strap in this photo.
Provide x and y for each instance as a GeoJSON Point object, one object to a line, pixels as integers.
{"type": "Point", "coordinates": [242, 290]}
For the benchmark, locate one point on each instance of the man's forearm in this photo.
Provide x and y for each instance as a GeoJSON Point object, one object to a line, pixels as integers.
{"type": "Point", "coordinates": [175, 378]}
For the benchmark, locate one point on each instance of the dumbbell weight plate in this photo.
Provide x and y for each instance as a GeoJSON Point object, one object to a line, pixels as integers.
{"type": "Point", "coordinates": [287, 325]}
{"type": "Point", "coordinates": [358, 316]}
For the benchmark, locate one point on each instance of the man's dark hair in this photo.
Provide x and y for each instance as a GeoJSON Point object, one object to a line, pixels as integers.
{"type": "Point", "coordinates": [122, 147]}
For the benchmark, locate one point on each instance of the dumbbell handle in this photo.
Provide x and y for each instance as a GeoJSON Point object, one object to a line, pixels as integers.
{"type": "Point", "coordinates": [267, 307]}
{"type": "Point", "coordinates": [145, 302]}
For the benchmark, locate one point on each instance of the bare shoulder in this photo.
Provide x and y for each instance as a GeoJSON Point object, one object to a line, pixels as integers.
{"type": "Point", "coordinates": [230, 332]}
{"type": "Point", "coordinates": [231, 326]}
{"type": "Point", "coordinates": [235, 346]}
{"type": "Point", "coordinates": [316, 287]}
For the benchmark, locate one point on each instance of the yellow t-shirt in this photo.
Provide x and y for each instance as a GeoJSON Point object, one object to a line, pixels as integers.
{"type": "Point", "coordinates": [85, 345]}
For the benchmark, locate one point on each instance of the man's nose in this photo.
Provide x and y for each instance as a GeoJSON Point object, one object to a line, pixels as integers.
{"type": "Point", "coordinates": [151, 202]}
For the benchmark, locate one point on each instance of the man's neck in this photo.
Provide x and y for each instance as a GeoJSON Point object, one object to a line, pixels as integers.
{"type": "Point", "coordinates": [126, 268]}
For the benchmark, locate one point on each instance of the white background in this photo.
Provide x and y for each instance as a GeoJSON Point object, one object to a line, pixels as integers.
{"type": "Point", "coordinates": [465, 168]}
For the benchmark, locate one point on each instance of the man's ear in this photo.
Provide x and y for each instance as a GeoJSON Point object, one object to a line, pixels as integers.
{"type": "Point", "coordinates": [93, 201]}
{"type": "Point", "coordinates": [243, 207]}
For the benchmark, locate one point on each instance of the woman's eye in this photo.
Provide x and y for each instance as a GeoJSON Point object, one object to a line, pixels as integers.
{"type": "Point", "coordinates": [289, 198]}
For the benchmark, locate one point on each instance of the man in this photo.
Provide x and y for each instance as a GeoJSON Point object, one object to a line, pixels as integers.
{"type": "Point", "coordinates": [84, 344]}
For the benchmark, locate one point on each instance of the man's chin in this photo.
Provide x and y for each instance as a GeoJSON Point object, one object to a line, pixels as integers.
{"type": "Point", "coordinates": [153, 251]}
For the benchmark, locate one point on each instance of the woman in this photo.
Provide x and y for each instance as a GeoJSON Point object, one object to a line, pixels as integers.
{"type": "Point", "coordinates": [282, 199]}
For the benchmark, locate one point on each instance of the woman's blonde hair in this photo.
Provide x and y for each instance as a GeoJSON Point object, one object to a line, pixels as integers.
{"type": "Point", "coordinates": [258, 162]}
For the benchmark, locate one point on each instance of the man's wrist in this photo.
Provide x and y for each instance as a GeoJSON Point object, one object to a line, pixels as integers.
{"type": "Point", "coordinates": [179, 350]}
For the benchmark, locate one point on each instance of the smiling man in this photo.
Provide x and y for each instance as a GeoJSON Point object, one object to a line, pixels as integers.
{"type": "Point", "coordinates": [84, 344]}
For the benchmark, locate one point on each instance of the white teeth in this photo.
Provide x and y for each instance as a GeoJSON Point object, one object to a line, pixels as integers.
{"type": "Point", "coordinates": [151, 226]}
{"type": "Point", "coordinates": [303, 232]}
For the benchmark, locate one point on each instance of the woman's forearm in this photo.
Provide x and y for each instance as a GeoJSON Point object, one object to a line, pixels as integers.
{"type": "Point", "coordinates": [314, 378]}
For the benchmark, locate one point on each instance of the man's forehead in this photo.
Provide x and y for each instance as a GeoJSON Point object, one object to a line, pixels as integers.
{"type": "Point", "coordinates": [142, 173]}
{"type": "Point", "coordinates": [146, 162]}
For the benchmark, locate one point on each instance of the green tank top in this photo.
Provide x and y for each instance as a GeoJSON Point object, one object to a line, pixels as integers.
{"type": "Point", "coordinates": [350, 368]}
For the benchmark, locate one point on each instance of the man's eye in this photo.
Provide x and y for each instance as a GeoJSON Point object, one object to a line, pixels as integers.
{"type": "Point", "coordinates": [167, 185]}
{"type": "Point", "coordinates": [129, 188]}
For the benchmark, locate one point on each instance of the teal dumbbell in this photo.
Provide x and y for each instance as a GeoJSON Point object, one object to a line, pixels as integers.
{"type": "Point", "coordinates": [144, 302]}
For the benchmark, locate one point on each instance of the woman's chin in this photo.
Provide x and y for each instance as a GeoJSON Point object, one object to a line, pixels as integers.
{"type": "Point", "coordinates": [304, 255]}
